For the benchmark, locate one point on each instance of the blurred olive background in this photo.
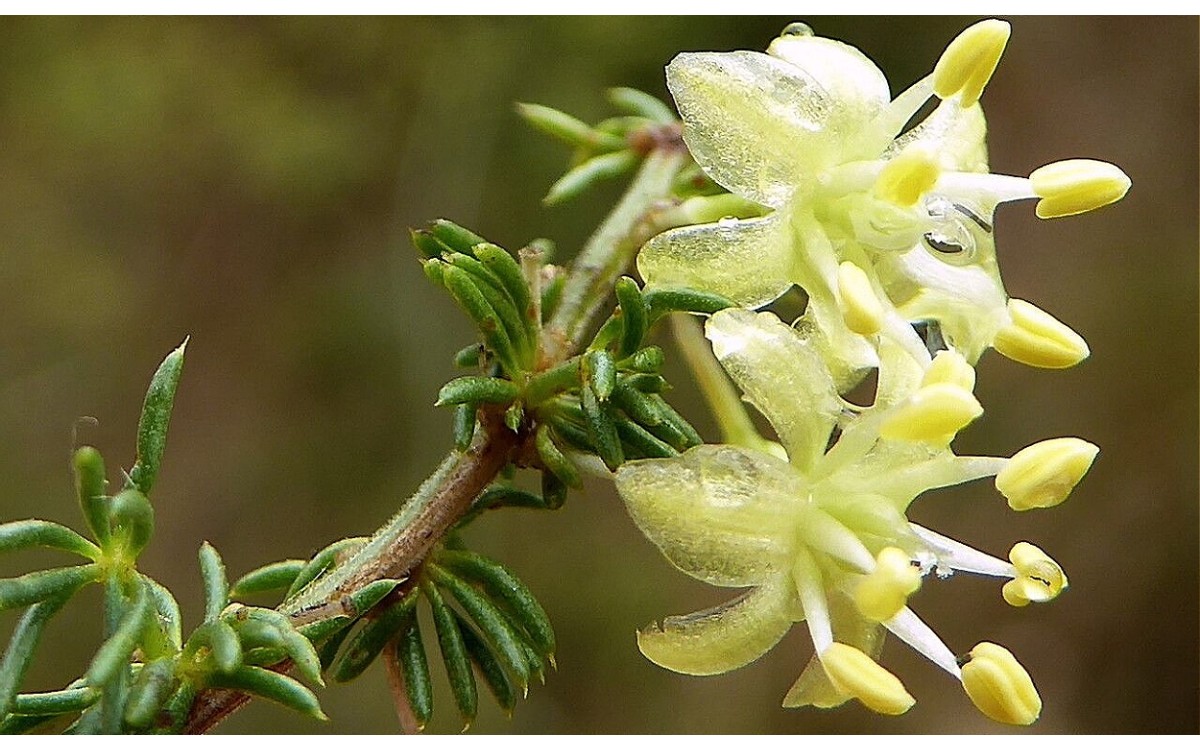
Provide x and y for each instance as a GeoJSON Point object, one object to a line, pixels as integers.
{"type": "Point", "coordinates": [250, 181]}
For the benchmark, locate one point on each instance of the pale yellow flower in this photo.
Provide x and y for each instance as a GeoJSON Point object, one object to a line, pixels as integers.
{"type": "Point", "coordinates": [822, 537]}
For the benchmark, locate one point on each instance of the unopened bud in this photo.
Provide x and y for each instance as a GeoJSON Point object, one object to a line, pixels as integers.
{"type": "Point", "coordinates": [860, 307]}
{"type": "Point", "coordinates": [854, 673]}
{"type": "Point", "coordinates": [933, 414]}
{"type": "Point", "coordinates": [969, 61]}
{"type": "Point", "coordinates": [1076, 186]}
{"type": "Point", "coordinates": [1043, 474]}
{"type": "Point", "coordinates": [1035, 337]}
{"type": "Point", "coordinates": [1039, 578]}
{"type": "Point", "coordinates": [999, 686]}
{"type": "Point", "coordinates": [883, 592]}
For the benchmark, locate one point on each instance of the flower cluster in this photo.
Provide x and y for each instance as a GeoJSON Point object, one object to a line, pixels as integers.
{"type": "Point", "coordinates": [881, 231]}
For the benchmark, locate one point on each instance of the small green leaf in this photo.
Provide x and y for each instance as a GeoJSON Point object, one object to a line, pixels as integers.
{"type": "Point", "coordinates": [457, 238]}
{"type": "Point", "coordinates": [216, 584]}
{"type": "Point", "coordinates": [492, 624]}
{"type": "Point", "coordinates": [275, 576]}
{"type": "Point", "coordinates": [641, 443]}
{"type": "Point", "coordinates": [324, 560]}
{"type": "Point", "coordinates": [554, 491]}
{"type": "Point", "coordinates": [634, 315]}
{"type": "Point", "coordinates": [649, 360]}
{"type": "Point", "coordinates": [561, 377]}
{"type": "Point", "coordinates": [508, 591]}
{"type": "Point", "coordinates": [640, 407]}
{"type": "Point", "coordinates": [552, 292]}
{"type": "Point", "coordinates": [601, 372]}
{"type": "Point", "coordinates": [454, 654]}
{"type": "Point", "coordinates": [426, 244]}
{"type": "Point", "coordinates": [688, 437]}
{"type": "Point", "coordinates": [505, 267]}
{"type": "Point", "coordinates": [56, 702]}
{"type": "Point", "coordinates": [601, 429]}
{"type": "Point", "coordinates": [464, 425]}
{"type": "Point", "coordinates": [566, 128]}
{"type": "Point", "coordinates": [114, 653]}
{"type": "Point", "coordinates": [132, 520]}
{"type": "Point", "coordinates": [45, 584]}
{"type": "Point", "coordinates": [89, 487]}
{"type": "Point", "coordinates": [328, 649]}
{"type": "Point", "coordinates": [33, 533]}
{"type": "Point", "coordinates": [222, 642]}
{"type": "Point", "coordinates": [418, 686]}
{"type": "Point", "coordinates": [285, 636]}
{"type": "Point", "coordinates": [466, 292]}
{"type": "Point", "coordinates": [469, 357]}
{"type": "Point", "coordinates": [478, 389]}
{"type": "Point", "coordinates": [156, 415]}
{"type": "Point", "coordinates": [369, 641]}
{"type": "Point", "coordinates": [505, 495]}
{"type": "Point", "coordinates": [167, 611]}
{"type": "Point", "coordinates": [149, 692]}
{"type": "Point", "coordinates": [21, 646]}
{"type": "Point", "coordinates": [665, 300]}
{"type": "Point", "coordinates": [554, 459]}
{"type": "Point", "coordinates": [596, 169]}
{"type": "Point", "coordinates": [489, 666]}
{"type": "Point", "coordinates": [640, 103]}
{"type": "Point", "coordinates": [274, 687]}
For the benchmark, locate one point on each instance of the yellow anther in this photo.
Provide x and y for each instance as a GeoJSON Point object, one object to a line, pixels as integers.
{"type": "Point", "coordinates": [1076, 186]}
{"type": "Point", "coordinates": [999, 686]}
{"type": "Point", "coordinates": [1043, 474]}
{"type": "Point", "coordinates": [1035, 337]}
{"type": "Point", "coordinates": [969, 61]}
{"type": "Point", "coordinates": [948, 366]}
{"type": "Point", "coordinates": [860, 307]}
{"type": "Point", "coordinates": [884, 591]}
{"type": "Point", "coordinates": [854, 673]}
{"type": "Point", "coordinates": [909, 175]}
{"type": "Point", "coordinates": [933, 414]}
{"type": "Point", "coordinates": [1039, 578]}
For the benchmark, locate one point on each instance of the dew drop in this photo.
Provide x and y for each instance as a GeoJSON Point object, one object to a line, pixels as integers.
{"type": "Point", "coordinates": [797, 28]}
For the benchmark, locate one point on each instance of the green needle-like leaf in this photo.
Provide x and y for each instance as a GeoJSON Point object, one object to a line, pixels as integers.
{"type": "Point", "coordinates": [601, 372]}
{"type": "Point", "coordinates": [491, 623]}
{"type": "Point", "coordinates": [457, 238]}
{"type": "Point", "coordinates": [33, 533]}
{"type": "Point", "coordinates": [21, 646]}
{"type": "Point", "coordinates": [454, 654]}
{"type": "Point", "coordinates": [156, 415]}
{"type": "Point", "coordinates": [149, 692]}
{"type": "Point", "coordinates": [478, 389]}
{"type": "Point", "coordinates": [56, 702]}
{"type": "Point", "coordinates": [324, 560]}
{"type": "Point", "coordinates": [167, 609]}
{"type": "Point", "coordinates": [489, 666]}
{"type": "Point", "coordinates": [418, 685]}
{"type": "Point", "coordinates": [634, 315]}
{"type": "Point", "coordinates": [274, 687]}
{"type": "Point", "coordinates": [464, 425]}
{"type": "Point", "coordinates": [665, 300]}
{"type": "Point", "coordinates": [367, 643]}
{"type": "Point", "coordinates": [635, 102]}
{"type": "Point", "coordinates": [276, 576]}
{"type": "Point", "coordinates": [132, 520]}
{"type": "Point", "coordinates": [505, 589]}
{"type": "Point", "coordinates": [114, 653]}
{"type": "Point", "coordinates": [598, 168]}
{"type": "Point", "coordinates": [45, 584]}
{"type": "Point", "coordinates": [216, 585]}
{"type": "Point", "coordinates": [601, 429]}
{"type": "Point", "coordinates": [89, 487]}
{"type": "Point", "coordinates": [554, 459]}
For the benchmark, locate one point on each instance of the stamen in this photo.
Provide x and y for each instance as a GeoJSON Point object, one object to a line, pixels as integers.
{"type": "Point", "coordinates": [854, 673]}
{"type": "Point", "coordinates": [985, 189]}
{"type": "Point", "coordinates": [969, 61]}
{"type": "Point", "coordinates": [823, 532]}
{"type": "Point", "coordinates": [1039, 578]}
{"type": "Point", "coordinates": [948, 366]}
{"type": "Point", "coordinates": [907, 177]}
{"type": "Point", "coordinates": [1076, 186]}
{"type": "Point", "coordinates": [999, 686]}
{"type": "Point", "coordinates": [933, 414]}
{"type": "Point", "coordinates": [920, 637]}
{"type": "Point", "coordinates": [1035, 337]}
{"type": "Point", "coordinates": [1043, 474]}
{"type": "Point", "coordinates": [959, 556]}
{"type": "Point", "coordinates": [885, 590]}
{"type": "Point", "coordinates": [860, 307]}
{"type": "Point", "coordinates": [807, 577]}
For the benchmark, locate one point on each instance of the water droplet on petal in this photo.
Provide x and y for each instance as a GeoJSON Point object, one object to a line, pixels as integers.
{"type": "Point", "coordinates": [797, 28]}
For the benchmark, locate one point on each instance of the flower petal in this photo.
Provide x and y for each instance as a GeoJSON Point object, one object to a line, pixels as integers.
{"type": "Point", "coordinates": [782, 374]}
{"type": "Point", "coordinates": [721, 514]}
{"type": "Point", "coordinates": [956, 134]}
{"type": "Point", "coordinates": [722, 638]}
{"type": "Point", "coordinates": [747, 260]}
{"type": "Point", "coordinates": [755, 124]}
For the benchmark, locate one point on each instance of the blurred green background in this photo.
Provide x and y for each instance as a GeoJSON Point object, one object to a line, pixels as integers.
{"type": "Point", "coordinates": [249, 182]}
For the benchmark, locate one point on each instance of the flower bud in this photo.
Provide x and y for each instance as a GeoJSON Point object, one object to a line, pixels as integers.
{"type": "Point", "coordinates": [999, 686]}
{"type": "Point", "coordinates": [860, 306]}
{"type": "Point", "coordinates": [948, 366]}
{"type": "Point", "coordinates": [1076, 186]}
{"type": "Point", "coordinates": [969, 61]}
{"type": "Point", "coordinates": [934, 414]}
{"type": "Point", "coordinates": [1035, 337]}
{"type": "Point", "coordinates": [908, 176]}
{"type": "Point", "coordinates": [1039, 578]}
{"type": "Point", "coordinates": [885, 590]}
{"type": "Point", "coordinates": [854, 673]}
{"type": "Point", "coordinates": [1043, 474]}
